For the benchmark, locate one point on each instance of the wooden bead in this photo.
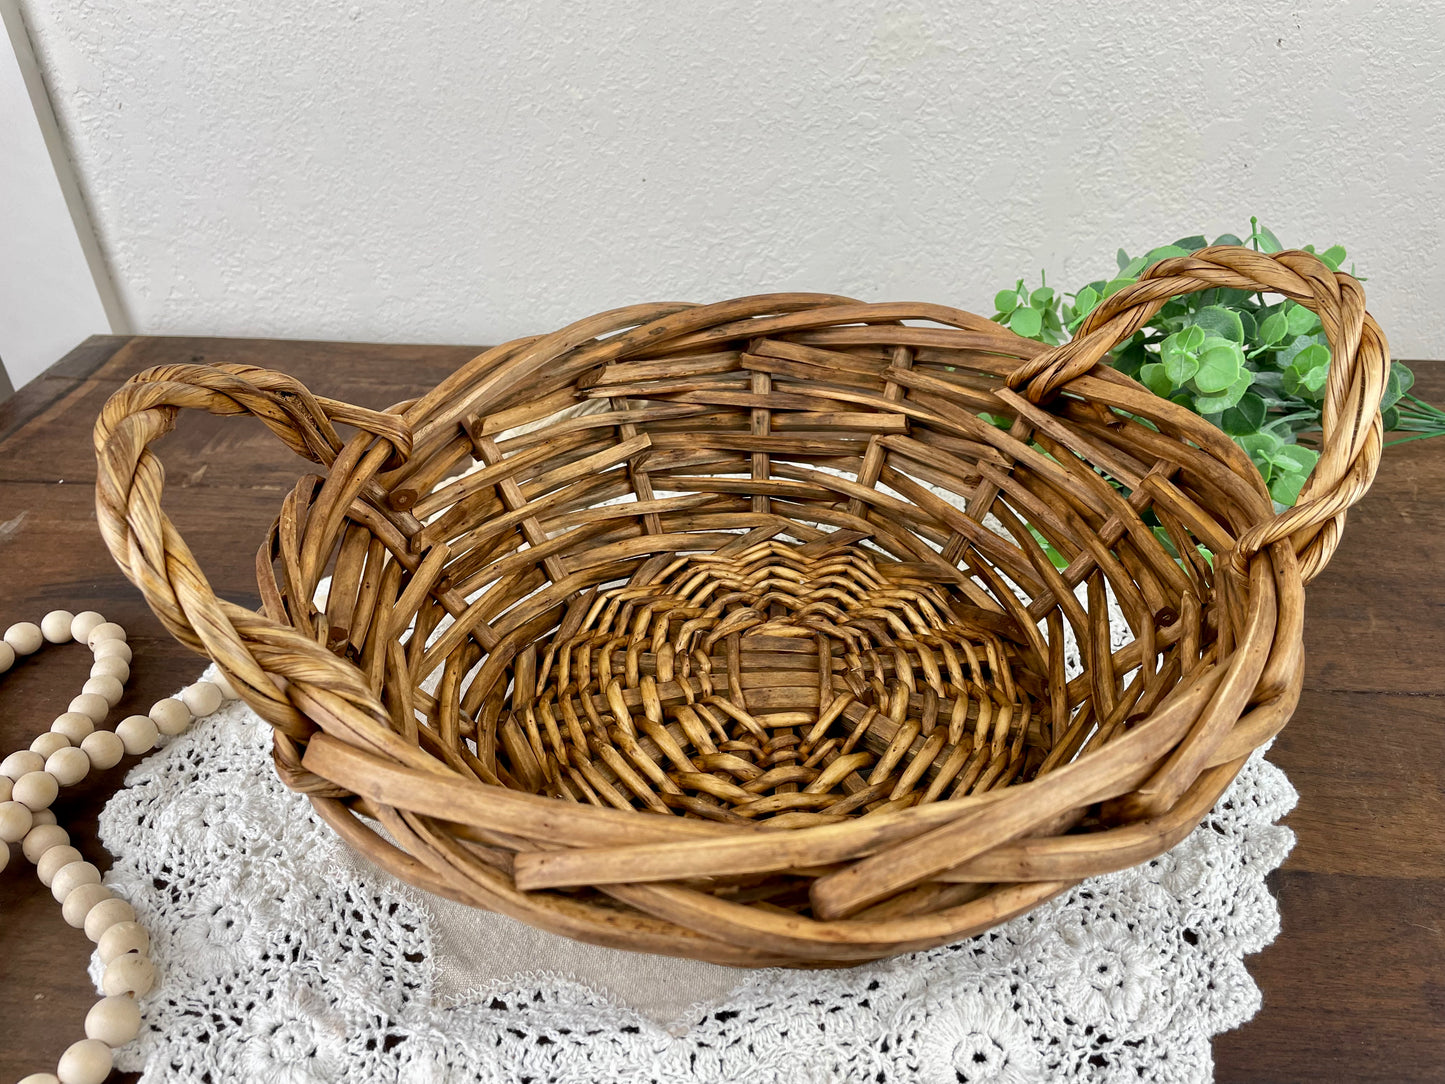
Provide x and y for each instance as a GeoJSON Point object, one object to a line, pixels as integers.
{"type": "Point", "coordinates": [171, 716]}
{"type": "Point", "coordinates": [82, 624]}
{"type": "Point", "coordinates": [36, 790]}
{"type": "Point", "coordinates": [24, 637]}
{"type": "Point", "coordinates": [7, 656]}
{"type": "Point", "coordinates": [105, 915]}
{"type": "Point", "coordinates": [53, 860]}
{"type": "Point", "coordinates": [138, 733]}
{"type": "Point", "coordinates": [93, 705]}
{"type": "Point", "coordinates": [21, 763]}
{"type": "Point", "coordinates": [47, 743]}
{"type": "Point", "coordinates": [44, 816]}
{"type": "Point", "coordinates": [69, 765]}
{"type": "Point", "coordinates": [104, 748]}
{"type": "Point", "coordinates": [130, 973]}
{"type": "Point", "coordinates": [77, 905]}
{"type": "Point", "coordinates": [107, 630]}
{"type": "Point", "coordinates": [55, 626]}
{"type": "Point", "coordinates": [41, 838]}
{"type": "Point", "coordinates": [16, 820]}
{"type": "Point", "coordinates": [40, 1078]}
{"type": "Point", "coordinates": [73, 725]}
{"type": "Point", "coordinates": [112, 667]}
{"type": "Point", "coordinates": [113, 649]}
{"type": "Point", "coordinates": [6, 786]}
{"type": "Point", "coordinates": [68, 878]}
{"type": "Point", "coordinates": [121, 938]}
{"type": "Point", "coordinates": [203, 698]}
{"type": "Point", "coordinates": [114, 1021]}
{"type": "Point", "coordinates": [108, 687]}
{"type": "Point", "coordinates": [86, 1062]}
{"type": "Point", "coordinates": [4, 858]}
{"type": "Point", "coordinates": [222, 682]}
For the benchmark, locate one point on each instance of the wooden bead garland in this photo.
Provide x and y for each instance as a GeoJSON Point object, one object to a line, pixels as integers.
{"type": "Point", "coordinates": [106, 914]}
{"type": "Point", "coordinates": [74, 726]}
{"type": "Point", "coordinates": [115, 1021]}
{"type": "Point", "coordinates": [24, 637]}
{"type": "Point", "coordinates": [56, 626]}
{"type": "Point", "coordinates": [47, 743]}
{"type": "Point", "coordinates": [30, 780]}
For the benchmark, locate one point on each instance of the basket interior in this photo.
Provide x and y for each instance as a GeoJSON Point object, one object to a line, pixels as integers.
{"type": "Point", "coordinates": [779, 578]}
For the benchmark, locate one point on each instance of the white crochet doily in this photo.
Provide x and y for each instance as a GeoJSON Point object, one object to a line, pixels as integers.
{"type": "Point", "coordinates": [283, 959]}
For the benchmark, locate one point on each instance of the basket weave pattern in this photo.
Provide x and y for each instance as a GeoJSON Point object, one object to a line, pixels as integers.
{"type": "Point", "coordinates": [696, 660]}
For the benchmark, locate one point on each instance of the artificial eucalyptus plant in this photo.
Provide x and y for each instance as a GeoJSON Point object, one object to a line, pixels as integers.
{"type": "Point", "coordinates": [1255, 370]}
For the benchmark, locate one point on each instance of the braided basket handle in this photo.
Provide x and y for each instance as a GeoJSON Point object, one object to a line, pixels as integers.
{"type": "Point", "coordinates": [154, 556]}
{"type": "Point", "coordinates": [1360, 364]}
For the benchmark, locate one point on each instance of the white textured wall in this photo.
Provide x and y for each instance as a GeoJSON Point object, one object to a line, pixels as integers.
{"type": "Point", "coordinates": [449, 170]}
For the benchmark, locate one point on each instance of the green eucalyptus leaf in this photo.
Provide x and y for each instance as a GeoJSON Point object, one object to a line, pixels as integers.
{"type": "Point", "coordinates": [1220, 362]}
{"type": "Point", "coordinates": [1085, 301]}
{"type": "Point", "coordinates": [1246, 416]}
{"type": "Point", "coordinates": [1232, 298]}
{"type": "Point", "coordinates": [1333, 257]}
{"type": "Point", "coordinates": [1175, 344]}
{"type": "Point", "coordinates": [1298, 457]}
{"type": "Point", "coordinates": [1026, 322]}
{"type": "Point", "coordinates": [1189, 244]}
{"type": "Point", "coordinates": [1295, 346]}
{"type": "Point", "coordinates": [1307, 373]}
{"type": "Point", "coordinates": [1285, 486]}
{"type": "Point", "coordinates": [1166, 252]}
{"type": "Point", "coordinates": [1274, 328]}
{"type": "Point", "coordinates": [1217, 320]}
{"type": "Point", "coordinates": [1134, 266]}
{"type": "Point", "coordinates": [1192, 338]}
{"type": "Point", "coordinates": [1400, 381]}
{"type": "Point", "coordinates": [1006, 300]}
{"type": "Point", "coordinates": [1268, 242]}
{"type": "Point", "coordinates": [1227, 239]}
{"type": "Point", "coordinates": [1393, 391]}
{"type": "Point", "coordinates": [1261, 446]}
{"type": "Point", "coordinates": [1251, 325]}
{"type": "Point", "coordinates": [1153, 377]}
{"type": "Point", "coordinates": [1391, 417]}
{"type": "Point", "coordinates": [1113, 286]}
{"type": "Point", "coordinates": [1229, 397]}
{"type": "Point", "coordinates": [1123, 259]}
{"type": "Point", "coordinates": [1300, 320]}
{"type": "Point", "coordinates": [1041, 297]}
{"type": "Point", "coordinates": [1175, 313]}
{"type": "Point", "coordinates": [1179, 365]}
{"type": "Point", "coordinates": [1311, 359]}
{"type": "Point", "coordinates": [1131, 356]}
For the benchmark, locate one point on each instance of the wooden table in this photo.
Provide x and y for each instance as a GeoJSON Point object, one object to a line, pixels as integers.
{"type": "Point", "coordinates": [1354, 988]}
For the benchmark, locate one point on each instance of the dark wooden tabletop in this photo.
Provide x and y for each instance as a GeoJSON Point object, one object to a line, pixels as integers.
{"type": "Point", "coordinates": [1354, 987]}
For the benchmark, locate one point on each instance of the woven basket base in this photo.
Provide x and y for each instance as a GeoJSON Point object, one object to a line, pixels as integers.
{"type": "Point", "coordinates": [765, 685]}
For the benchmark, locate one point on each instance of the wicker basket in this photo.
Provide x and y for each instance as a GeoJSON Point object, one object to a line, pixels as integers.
{"type": "Point", "coordinates": [701, 659]}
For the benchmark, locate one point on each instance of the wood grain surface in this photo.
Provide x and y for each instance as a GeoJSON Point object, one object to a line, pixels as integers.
{"type": "Point", "coordinates": [1354, 987]}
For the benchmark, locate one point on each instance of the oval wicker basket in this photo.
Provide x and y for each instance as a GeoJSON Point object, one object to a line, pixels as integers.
{"type": "Point", "coordinates": [737, 641]}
